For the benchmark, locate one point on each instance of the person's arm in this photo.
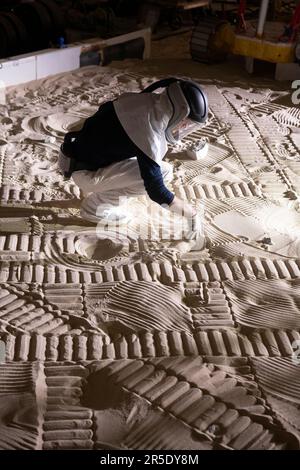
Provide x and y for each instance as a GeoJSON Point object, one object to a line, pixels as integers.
{"type": "Point", "coordinates": [154, 181]}
{"type": "Point", "coordinates": [157, 191]}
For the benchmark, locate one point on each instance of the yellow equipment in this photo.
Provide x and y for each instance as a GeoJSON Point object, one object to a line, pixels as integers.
{"type": "Point", "coordinates": [213, 39]}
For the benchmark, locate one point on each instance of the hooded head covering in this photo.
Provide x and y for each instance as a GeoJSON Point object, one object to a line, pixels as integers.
{"type": "Point", "coordinates": [151, 120]}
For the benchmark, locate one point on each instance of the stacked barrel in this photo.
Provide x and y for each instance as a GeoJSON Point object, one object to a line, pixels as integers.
{"type": "Point", "coordinates": [29, 27]}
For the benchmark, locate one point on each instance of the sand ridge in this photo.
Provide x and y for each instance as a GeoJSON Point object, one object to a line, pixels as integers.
{"type": "Point", "coordinates": [137, 341]}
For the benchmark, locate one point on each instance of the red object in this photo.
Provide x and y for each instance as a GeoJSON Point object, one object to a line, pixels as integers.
{"type": "Point", "coordinates": [292, 29]}
{"type": "Point", "coordinates": [242, 7]}
{"type": "Point", "coordinates": [295, 23]}
{"type": "Point", "coordinates": [241, 16]}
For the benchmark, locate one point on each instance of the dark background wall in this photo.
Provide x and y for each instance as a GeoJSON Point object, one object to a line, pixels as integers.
{"type": "Point", "coordinates": [31, 25]}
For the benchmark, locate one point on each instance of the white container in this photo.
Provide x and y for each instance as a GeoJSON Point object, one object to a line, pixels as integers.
{"type": "Point", "coordinates": [198, 150]}
{"type": "Point", "coordinates": [16, 70]}
{"type": "Point", "coordinates": [53, 61]}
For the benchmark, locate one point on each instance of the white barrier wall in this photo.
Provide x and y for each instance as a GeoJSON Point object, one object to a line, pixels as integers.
{"type": "Point", "coordinates": [17, 70]}
{"type": "Point", "coordinates": [52, 61]}
{"type": "Point", "coordinates": [27, 67]}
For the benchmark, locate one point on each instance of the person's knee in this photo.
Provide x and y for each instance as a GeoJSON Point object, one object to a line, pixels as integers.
{"type": "Point", "coordinates": [63, 163]}
{"type": "Point", "coordinates": [84, 180]}
{"type": "Point", "coordinates": [167, 171]}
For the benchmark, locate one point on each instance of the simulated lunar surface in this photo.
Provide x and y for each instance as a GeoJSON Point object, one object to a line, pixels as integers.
{"type": "Point", "coordinates": [131, 338]}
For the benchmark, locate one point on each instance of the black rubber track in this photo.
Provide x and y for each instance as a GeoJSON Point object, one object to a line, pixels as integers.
{"type": "Point", "coordinates": [56, 15]}
{"type": "Point", "coordinates": [38, 23]}
{"type": "Point", "coordinates": [201, 42]}
{"type": "Point", "coordinates": [3, 44]}
{"type": "Point", "coordinates": [11, 36]}
{"type": "Point", "coordinates": [20, 29]}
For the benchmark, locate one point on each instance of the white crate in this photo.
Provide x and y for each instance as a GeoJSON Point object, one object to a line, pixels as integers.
{"type": "Point", "coordinates": [53, 61]}
{"type": "Point", "coordinates": [17, 70]}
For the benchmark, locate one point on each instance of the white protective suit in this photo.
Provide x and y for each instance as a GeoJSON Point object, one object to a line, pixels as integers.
{"type": "Point", "coordinates": [144, 117]}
